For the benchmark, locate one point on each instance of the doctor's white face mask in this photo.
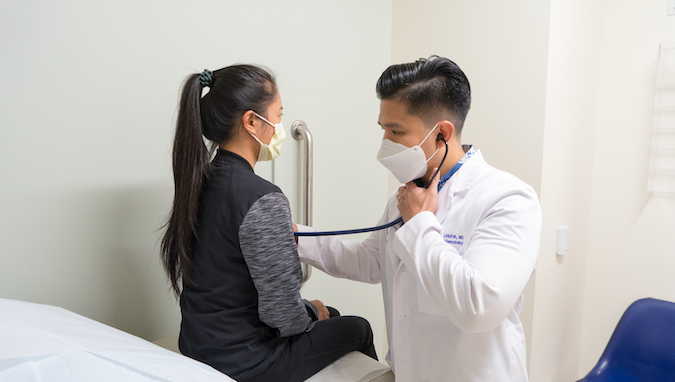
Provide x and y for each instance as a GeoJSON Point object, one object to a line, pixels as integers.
{"type": "Point", "coordinates": [405, 163]}
{"type": "Point", "coordinates": [273, 149]}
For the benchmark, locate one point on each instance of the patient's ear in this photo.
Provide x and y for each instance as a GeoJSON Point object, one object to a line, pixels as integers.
{"type": "Point", "coordinates": [248, 121]}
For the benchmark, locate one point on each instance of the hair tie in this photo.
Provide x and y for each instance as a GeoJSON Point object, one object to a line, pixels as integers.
{"type": "Point", "coordinates": [206, 78]}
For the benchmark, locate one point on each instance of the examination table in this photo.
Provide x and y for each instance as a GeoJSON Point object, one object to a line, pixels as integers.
{"type": "Point", "coordinates": [42, 343]}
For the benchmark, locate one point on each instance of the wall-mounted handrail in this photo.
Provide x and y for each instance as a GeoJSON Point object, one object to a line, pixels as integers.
{"type": "Point", "coordinates": [300, 132]}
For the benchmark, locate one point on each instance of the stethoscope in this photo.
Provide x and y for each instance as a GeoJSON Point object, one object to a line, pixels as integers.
{"type": "Point", "coordinates": [418, 182]}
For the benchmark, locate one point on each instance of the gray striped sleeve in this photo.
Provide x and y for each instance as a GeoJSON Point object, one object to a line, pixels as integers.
{"type": "Point", "coordinates": [270, 252]}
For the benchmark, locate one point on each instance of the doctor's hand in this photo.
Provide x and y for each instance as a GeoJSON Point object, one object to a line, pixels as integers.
{"type": "Point", "coordinates": [324, 314]}
{"type": "Point", "coordinates": [413, 200]}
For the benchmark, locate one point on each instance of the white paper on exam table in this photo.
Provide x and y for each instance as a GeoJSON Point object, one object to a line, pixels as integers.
{"type": "Point", "coordinates": [46, 343]}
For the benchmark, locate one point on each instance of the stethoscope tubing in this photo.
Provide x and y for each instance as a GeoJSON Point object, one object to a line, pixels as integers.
{"type": "Point", "coordinates": [350, 231]}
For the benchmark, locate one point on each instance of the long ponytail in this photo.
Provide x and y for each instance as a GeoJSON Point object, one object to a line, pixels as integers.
{"type": "Point", "coordinates": [190, 170]}
{"type": "Point", "coordinates": [233, 91]}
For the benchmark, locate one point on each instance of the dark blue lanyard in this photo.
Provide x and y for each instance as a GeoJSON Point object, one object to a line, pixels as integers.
{"type": "Point", "coordinates": [447, 176]}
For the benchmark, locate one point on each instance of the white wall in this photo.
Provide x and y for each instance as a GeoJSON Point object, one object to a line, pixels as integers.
{"type": "Point", "coordinates": [567, 169]}
{"type": "Point", "coordinates": [602, 71]}
{"type": "Point", "coordinates": [88, 97]}
{"type": "Point", "coordinates": [631, 251]}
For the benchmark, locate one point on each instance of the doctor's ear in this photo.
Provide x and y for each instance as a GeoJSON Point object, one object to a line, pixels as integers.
{"type": "Point", "coordinates": [446, 131]}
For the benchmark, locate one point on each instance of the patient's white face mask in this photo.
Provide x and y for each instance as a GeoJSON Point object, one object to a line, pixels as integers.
{"type": "Point", "coordinates": [273, 149]}
{"type": "Point", "coordinates": [405, 163]}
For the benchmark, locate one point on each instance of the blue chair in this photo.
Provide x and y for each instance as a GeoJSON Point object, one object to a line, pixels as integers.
{"type": "Point", "coordinates": [642, 347]}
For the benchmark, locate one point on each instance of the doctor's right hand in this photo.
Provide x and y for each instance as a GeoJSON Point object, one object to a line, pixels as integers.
{"type": "Point", "coordinates": [413, 200]}
{"type": "Point", "coordinates": [324, 314]}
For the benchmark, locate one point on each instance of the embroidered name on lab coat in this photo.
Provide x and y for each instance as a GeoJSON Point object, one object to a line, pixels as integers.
{"type": "Point", "coordinates": [454, 239]}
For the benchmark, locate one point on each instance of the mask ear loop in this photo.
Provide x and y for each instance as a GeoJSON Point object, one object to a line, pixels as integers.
{"type": "Point", "coordinates": [256, 138]}
{"type": "Point", "coordinates": [425, 138]}
{"type": "Point", "coordinates": [264, 119]}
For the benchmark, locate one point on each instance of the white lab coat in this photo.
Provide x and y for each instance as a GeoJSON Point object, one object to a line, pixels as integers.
{"type": "Point", "coordinates": [453, 282]}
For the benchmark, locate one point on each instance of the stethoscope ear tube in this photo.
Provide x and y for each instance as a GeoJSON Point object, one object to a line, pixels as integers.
{"type": "Point", "coordinates": [419, 182]}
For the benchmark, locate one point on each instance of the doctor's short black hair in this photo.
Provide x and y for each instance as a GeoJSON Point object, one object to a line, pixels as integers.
{"type": "Point", "coordinates": [428, 87]}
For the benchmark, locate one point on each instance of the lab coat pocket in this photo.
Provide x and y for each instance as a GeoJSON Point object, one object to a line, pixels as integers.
{"type": "Point", "coordinates": [426, 304]}
{"type": "Point", "coordinates": [515, 334]}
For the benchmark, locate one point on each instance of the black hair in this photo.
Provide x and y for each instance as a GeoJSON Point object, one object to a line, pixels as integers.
{"type": "Point", "coordinates": [428, 87]}
{"type": "Point", "coordinates": [233, 91]}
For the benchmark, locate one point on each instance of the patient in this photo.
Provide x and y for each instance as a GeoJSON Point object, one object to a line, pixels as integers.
{"type": "Point", "coordinates": [228, 248]}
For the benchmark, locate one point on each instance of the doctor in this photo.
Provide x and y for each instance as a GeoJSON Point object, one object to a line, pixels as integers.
{"type": "Point", "coordinates": [453, 274]}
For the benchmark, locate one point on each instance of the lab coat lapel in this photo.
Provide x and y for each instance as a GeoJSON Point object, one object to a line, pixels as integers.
{"type": "Point", "coordinates": [445, 199]}
{"type": "Point", "coordinates": [459, 182]}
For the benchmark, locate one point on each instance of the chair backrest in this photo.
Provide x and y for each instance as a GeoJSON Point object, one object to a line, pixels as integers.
{"type": "Point", "coordinates": [643, 342]}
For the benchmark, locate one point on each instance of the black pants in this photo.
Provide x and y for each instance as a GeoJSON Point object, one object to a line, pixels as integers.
{"type": "Point", "coordinates": [310, 352]}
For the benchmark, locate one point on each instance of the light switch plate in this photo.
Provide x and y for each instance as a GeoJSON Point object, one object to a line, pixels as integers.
{"type": "Point", "coordinates": [671, 8]}
{"type": "Point", "coordinates": [563, 238]}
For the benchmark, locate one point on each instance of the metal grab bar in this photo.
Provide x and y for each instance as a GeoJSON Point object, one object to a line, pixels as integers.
{"type": "Point", "coordinates": [300, 132]}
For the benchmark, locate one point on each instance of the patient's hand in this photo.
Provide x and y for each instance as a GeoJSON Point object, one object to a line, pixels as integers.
{"type": "Point", "coordinates": [295, 229]}
{"type": "Point", "coordinates": [324, 314]}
